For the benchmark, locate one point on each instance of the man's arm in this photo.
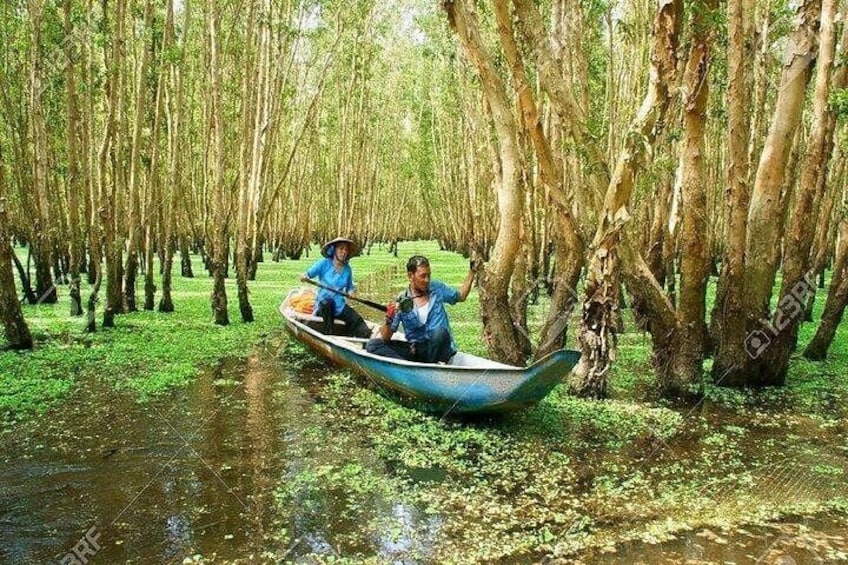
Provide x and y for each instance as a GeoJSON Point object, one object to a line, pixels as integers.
{"type": "Point", "coordinates": [386, 329]}
{"type": "Point", "coordinates": [465, 288]}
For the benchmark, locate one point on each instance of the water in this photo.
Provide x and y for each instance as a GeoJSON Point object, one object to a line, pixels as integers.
{"type": "Point", "coordinates": [197, 472]}
{"type": "Point", "coordinates": [190, 473]}
{"type": "Point", "coordinates": [799, 541]}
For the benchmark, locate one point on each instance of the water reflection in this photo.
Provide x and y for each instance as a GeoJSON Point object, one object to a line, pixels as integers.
{"type": "Point", "coordinates": [196, 473]}
{"type": "Point", "coordinates": [199, 473]}
{"type": "Point", "coordinates": [185, 475]}
{"type": "Point", "coordinates": [408, 533]}
{"type": "Point", "coordinates": [178, 533]}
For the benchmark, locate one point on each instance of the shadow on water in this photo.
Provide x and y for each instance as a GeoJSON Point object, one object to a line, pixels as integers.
{"type": "Point", "coordinates": [193, 473]}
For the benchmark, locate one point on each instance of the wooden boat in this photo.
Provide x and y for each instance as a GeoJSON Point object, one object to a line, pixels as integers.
{"type": "Point", "coordinates": [468, 384]}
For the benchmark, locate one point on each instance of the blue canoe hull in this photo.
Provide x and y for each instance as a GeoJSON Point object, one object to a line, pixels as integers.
{"type": "Point", "coordinates": [476, 385]}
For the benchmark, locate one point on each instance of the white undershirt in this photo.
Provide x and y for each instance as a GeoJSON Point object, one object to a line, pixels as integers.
{"type": "Point", "coordinates": [422, 312]}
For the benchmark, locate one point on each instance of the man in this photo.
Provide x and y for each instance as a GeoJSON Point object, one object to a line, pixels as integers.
{"type": "Point", "coordinates": [421, 311]}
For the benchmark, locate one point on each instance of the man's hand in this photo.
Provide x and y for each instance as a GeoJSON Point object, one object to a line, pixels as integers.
{"type": "Point", "coordinates": [391, 311]}
{"type": "Point", "coordinates": [304, 278]}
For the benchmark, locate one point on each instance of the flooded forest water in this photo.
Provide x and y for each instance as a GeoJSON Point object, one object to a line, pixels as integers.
{"type": "Point", "coordinates": [195, 473]}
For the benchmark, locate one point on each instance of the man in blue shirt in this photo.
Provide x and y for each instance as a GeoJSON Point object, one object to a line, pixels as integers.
{"type": "Point", "coordinates": [333, 271]}
{"type": "Point", "coordinates": [421, 311]}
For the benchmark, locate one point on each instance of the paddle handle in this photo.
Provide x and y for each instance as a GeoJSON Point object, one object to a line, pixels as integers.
{"type": "Point", "coordinates": [376, 306]}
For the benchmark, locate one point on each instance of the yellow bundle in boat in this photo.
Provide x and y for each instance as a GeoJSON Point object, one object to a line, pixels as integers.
{"type": "Point", "coordinates": [303, 301]}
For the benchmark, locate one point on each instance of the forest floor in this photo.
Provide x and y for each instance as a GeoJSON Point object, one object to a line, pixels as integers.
{"type": "Point", "coordinates": [342, 473]}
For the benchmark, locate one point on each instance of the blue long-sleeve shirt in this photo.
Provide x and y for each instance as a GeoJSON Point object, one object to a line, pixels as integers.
{"type": "Point", "coordinates": [437, 317]}
{"type": "Point", "coordinates": [327, 275]}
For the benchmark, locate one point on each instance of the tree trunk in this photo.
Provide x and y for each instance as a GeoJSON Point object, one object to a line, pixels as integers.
{"type": "Point", "coordinates": [825, 230]}
{"type": "Point", "coordinates": [686, 357]}
{"type": "Point", "coordinates": [185, 259]}
{"type": "Point", "coordinates": [729, 292]}
{"type": "Point", "coordinates": [798, 284]}
{"type": "Point", "coordinates": [149, 285]}
{"type": "Point", "coordinates": [166, 303]}
{"type": "Point", "coordinates": [45, 288]}
{"type": "Point", "coordinates": [93, 299]}
{"type": "Point", "coordinates": [111, 149]}
{"type": "Point", "coordinates": [220, 237]}
{"type": "Point", "coordinates": [567, 269]}
{"type": "Point", "coordinates": [600, 305]}
{"type": "Point", "coordinates": [174, 113]}
{"type": "Point", "coordinates": [658, 250]}
{"type": "Point", "coordinates": [41, 244]}
{"type": "Point", "coordinates": [14, 326]}
{"type": "Point", "coordinates": [257, 258]}
{"type": "Point", "coordinates": [742, 340]}
{"type": "Point", "coordinates": [570, 246]}
{"type": "Point", "coordinates": [29, 294]}
{"type": "Point", "coordinates": [134, 216]}
{"type": "Point", "coordinates": [500, 333]}
{"type": "Point", "coordinates": [74, 183]}
{"type": "Point", "coordinates": [563, 100]}
{"type": "Point", "coordinates": [255, 121]}
{"type": "Point", "coordinates": [834, 306]}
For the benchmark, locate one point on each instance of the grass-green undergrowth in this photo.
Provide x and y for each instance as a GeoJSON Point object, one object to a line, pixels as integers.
{"type": "Point", "coordinates": [552, 480]}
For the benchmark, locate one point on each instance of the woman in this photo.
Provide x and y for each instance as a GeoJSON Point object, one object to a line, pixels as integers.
{"type": "Point", "coordinates": [334, 272]}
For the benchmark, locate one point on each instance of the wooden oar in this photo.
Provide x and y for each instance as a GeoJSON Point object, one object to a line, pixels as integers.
{"type": "Point", "coordinates": [380, 307]}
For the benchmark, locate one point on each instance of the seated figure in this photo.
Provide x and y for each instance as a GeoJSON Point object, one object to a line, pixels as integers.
{"type": "Point", "coordinates": [420, 309]}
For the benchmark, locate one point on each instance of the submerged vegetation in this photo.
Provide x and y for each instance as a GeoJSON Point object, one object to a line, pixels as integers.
{"type": "Point", "coordinates": [147, 353]}
{"type": "Point", "coordinates": [574, 475]}
{"type": "Point", "coordinates": [371, 479]}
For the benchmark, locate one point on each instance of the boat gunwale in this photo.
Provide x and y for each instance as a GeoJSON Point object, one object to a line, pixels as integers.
{"type": "Point", "coordinates": [345, 343]}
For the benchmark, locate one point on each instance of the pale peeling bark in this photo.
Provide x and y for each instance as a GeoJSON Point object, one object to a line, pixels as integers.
{"type": "Point", "coordinates": [679, 335]}
{"type": "Point", "coordinates": [600, 305]}
{"type": "Point", "coordinates": [687, 355]}
{"type": "Point", "coordinates": [799, 239]}
{"type": "Point", "coordinates": [729, 293]}
{"type": "Point", "coordinates": [763, 233]}
{"type": "Point", "coordinates": [570, 245]}
{"type": "Point", "coordinates": [734, 365]}
{"type": "Point", "coordinates": [500, 333]}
